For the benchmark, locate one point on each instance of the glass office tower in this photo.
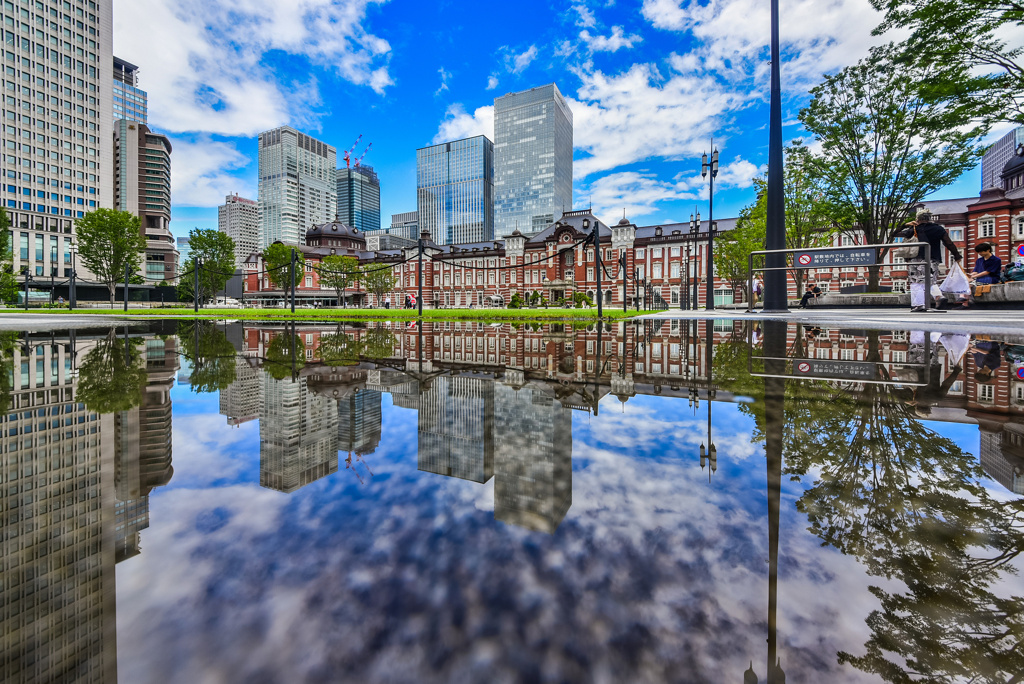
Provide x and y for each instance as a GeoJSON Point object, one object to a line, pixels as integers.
{"type": "Point", "coordinates": [533, 160]}
{"type": "Point", "coordinates": [455, 189]}
{"type": "Point", "coordinates": [297, 186]}
{"type": "Point", "coordinates": [359, 198]}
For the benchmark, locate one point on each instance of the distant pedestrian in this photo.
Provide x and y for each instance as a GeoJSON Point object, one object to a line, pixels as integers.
{"type": "Point", "coordinates": [408, 302]}
{"type": "Point", "coordinates": [986, 271]}
{"type": "Point", "coordinates": [756, 290]}
{"type": "Point", "coordinates": [387, 302]}
{"type": "Point", "coordinates": [60, 301]}
{"type": "Point", "coordinates": [924, 230]}
{"type": "Point", "coordinates": [813, 292]}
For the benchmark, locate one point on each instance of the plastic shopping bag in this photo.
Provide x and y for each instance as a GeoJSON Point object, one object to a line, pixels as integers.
{"type": "Point", "coordinates": [956, 282]}
{"type": "Point", "coordinates": [956, 346]}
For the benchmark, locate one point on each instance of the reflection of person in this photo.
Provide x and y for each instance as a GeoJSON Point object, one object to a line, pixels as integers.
{"type": "Point", "coordinates": [923, 230]}
{"type": "Point", "coordinates": [813, 292]}
{"type": "Point", "coordinates": [987, 360]}
{"type": "Point", "coordinates": [922, 398]}
{"type": "Point", "coordinates": [986, 270]}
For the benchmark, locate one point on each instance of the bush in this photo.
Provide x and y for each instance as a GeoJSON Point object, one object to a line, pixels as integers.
{"type": "Point", "coordinates": [580, 298]}
{"type": "Point", "coordinates": [516, 302]}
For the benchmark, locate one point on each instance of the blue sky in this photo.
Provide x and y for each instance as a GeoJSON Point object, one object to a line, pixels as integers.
{"type": "Point", "coordinates": [649, 83]}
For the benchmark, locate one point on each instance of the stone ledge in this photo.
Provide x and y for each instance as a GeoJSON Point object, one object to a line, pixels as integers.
{"type": "Point", "coordinates": [1004, 293]}
{"type": "Point", "coordinates": [862, 300]}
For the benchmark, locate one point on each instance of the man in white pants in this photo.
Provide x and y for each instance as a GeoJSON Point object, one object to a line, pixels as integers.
{"type": "Point", "coordinates": [923, 230]}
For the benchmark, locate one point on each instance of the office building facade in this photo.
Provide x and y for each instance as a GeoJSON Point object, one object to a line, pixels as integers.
{"type": "Point", "coordinates": [995, 158]}
{"type": "Point", "coordinates": [359, 198]}
{"type": "Point", "coordinates": [455, 191]}
{"type": "Point", "coordinates": [239, 219]}
{"type": "Point", "coordinates": [130, 101]}
{"type": "Point", "coordinates": [142, 186]}
{"type": "Point", "coordinates": [532, 160]}
{"type": "Point", "coordinates": [296, 184]}
{"type": "Point", "coordinates": [57, 144]}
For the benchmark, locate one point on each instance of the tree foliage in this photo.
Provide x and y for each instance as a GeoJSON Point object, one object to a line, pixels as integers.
{"type": "Point", "coordinates": [211, 354]}
{"type": "Point", "coordinates": [968, 48]}
{"type": "Point", "coordinates": [285, 353]}
{"type": "Point", "coordinates": [216, 251]}
{"type": "Point", "coordinates": [338, 273]}
{"type": "Point", "coordinates": [278, 258]}
{"type": "Point", "coordinates": [8, 280]}
{"type": "Point", "coordinates": [112, 375]}
{"type": "Point", "coordinates": [884, 146]}
{"type": "Point", "coordinates": [379, 280]}
{"type": "Point", "coordinates": [110, 241]}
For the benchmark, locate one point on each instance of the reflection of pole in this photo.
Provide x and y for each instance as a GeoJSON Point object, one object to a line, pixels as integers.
{"type": "Point", "coordinates": [775, 417]}
{"type": "Point", "coordinates": [293, 346]}
{"type": "Point", "coordinates": [597, 366]}
{"type": "Point", "coordinates": [127, 355]}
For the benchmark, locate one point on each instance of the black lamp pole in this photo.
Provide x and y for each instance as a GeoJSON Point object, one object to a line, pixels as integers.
{"type": "Point", "coordinates": [711, 166]}
{"type": "Point", "coordinates": [776, 297]}
{"type": "Point", "coordinates": [694, 301]}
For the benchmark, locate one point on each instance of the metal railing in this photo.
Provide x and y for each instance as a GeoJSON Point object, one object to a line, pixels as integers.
{"type": "Point", "coordinates": [873, 248]}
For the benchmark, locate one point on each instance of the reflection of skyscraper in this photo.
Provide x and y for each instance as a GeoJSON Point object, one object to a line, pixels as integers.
{"type": "Point", "coordinates": [1002, 454]}
{"type": "Point", "coordinates": [57, 602]}
{"type": "Point", "coordinates": [456, 428]}
{"type": "Point", "coordinates": [240, 401]}
{"type": "Point", "coordinates": [533, 458]}
{"type": "Point", "coordinates": [298, 435]}
{"type": "Point", "coordinates": [359, 420]}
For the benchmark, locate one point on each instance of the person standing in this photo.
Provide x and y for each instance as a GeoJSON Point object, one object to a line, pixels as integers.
{"type": "Point", "coordinates": [387, 302]}
{"type": "Point", "coordinates": [756, 290]}
{"type": "Point", "coordinates": [986, 271]}
{"type": "Point", "coordinates": [924, 230]}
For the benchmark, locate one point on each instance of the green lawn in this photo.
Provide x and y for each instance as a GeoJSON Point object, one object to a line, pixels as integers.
{"type": "Point", "coordinates": [349, 314]}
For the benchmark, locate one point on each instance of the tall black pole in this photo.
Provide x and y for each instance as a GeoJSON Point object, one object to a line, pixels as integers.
{"type": "Point", "coordinates": [776, 297]}
{"type": "Point", "coordinates": [71, 289]}
{"type": "Point", "coordinates": [127, 276]}
{"type": "Point", "coordinates": [597, 263]}
{"type": "Point", "coordinates": [293, 280]}
{"type": "Point", "coordinates": [195, 284]}
{"type": "Point", "coordinates": [419, 281]}
{"type": "Point", "coordinates": [622, 270]}
{"type": "Point", "coordinates": [26, 289]}
{"type": "Point", "coordinates": [709, 304]}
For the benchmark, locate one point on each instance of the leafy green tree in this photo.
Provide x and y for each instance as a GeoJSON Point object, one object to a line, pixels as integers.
{"type": "Point", "coordinates": [338, 273]}
{"type": "Point", "coordinates": [8, 281]}
{"type": "Point", "coordinates": [278, 258]}
{"type": "Point", "coordinates": [580, 299]}
{"type": "Point", "coordinates": [112, 375]}
{"type": "Point", "coordinates": [969, 47]}
{"type": "Point", "coordinates": [8, 340]}
{"type": "Point", "coordinates": [515, 302]}
{"type": "Point", "coordinates": [884, 147]}
{"type": "Point", "coordinates": [110, 241]}
{"type": "Point", "coordinates": [216, 251]}
{"type": "Point", "coordinates": [211, 354]}
{"type": "Point", "coordinates": [379, 280]}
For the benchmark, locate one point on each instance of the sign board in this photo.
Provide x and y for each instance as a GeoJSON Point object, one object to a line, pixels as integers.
{"type": "Point", "coordinates": [821, 368]}
{"type": "Point", "coordinates": [835, 258]}
{"type": "Point", "coordinates": [1020, 250]}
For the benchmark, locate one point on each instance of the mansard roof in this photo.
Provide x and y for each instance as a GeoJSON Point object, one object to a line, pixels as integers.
{"type": "Point", "coordinates": [573, 220]}
{"type": "Point", "coordinates": [681, 231]}
{"type": "Point", "coordinates": [333, 229]}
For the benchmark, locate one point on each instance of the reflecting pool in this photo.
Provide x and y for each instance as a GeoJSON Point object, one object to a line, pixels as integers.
{"type": "Point", "coordinates": [673, 501]}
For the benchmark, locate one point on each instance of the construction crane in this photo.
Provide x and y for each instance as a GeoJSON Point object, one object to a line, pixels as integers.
{"type": "Point", "coordinates": [360, 160]}
{"type": "Point", "coordinates": [348, 155]}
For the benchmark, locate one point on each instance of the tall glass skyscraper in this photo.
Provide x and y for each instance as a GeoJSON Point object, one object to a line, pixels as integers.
{"type": "Point", "coordinates": [359, 198]}
{"type": "Point", "coordinates": [130, 101]}
{"type": "Point", "coordinates": [296, 185]}
{"type": "Point", "coordinates": [533, 160]}
{"type": "Point", "coordinates": [455, 189]}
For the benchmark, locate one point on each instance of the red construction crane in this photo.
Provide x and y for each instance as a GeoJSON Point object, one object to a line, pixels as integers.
{"type": "Point", "coordinates": [348, 155]}
{"type": "Point", "coordinates": [360, 160]}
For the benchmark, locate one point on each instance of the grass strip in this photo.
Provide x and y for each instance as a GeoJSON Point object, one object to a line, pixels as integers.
{"type": "Point", "coordinates": [349, 314]}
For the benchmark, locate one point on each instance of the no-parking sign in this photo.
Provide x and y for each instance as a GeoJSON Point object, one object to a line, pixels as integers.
{"type": "Point", "coordinates": [1020, 250]}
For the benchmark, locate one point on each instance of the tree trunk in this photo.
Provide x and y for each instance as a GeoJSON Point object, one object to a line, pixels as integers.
{"type": "Point", "coordinates": [873, 278]}
{"type": "Point", "coordinates": [111, 287]}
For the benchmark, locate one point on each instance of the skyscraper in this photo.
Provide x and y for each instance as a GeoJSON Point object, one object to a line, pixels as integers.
{"type": "Point", "coordinates": [239, 219]}
{"type": "Point", "coordinates": [359, 198]}
{"type": "Point", "coordinates": [455, 190]}
{"type": "Point", "coordinates": [296, 184]}
{"type": "Point", "coordinates": [532, 160]}
{"type": "Point", "coordinates": [58, 149]}
{"type": "Point", "coordinates": [997, 155]}
{"type": "Point", "coordinates": [130, 101]}
{"type": "Point", "coordinates": [142, 186]}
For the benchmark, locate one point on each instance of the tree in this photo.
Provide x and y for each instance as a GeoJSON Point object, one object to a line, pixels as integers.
{"type": "Point", "coordinates": [211, 354]}
{"type": "Point", "coordinates": [379, 280]}
{"type": "Point", "coordinates": [216, 251]}
{"type": "Point", "coordinates": [278, 258]}
{"type": "Point", "coordinates": [110, 241]}
{"type": "Point", "coordinates": [884, 147]}
{"type": "Point", "coordinates": [112, 375]}
{"type": "Point", "coordinates": [338, 272]}
{"type": "Point", "coordinates": [964, 44]}
{"type": "Point", "coordinates": [8, 281]}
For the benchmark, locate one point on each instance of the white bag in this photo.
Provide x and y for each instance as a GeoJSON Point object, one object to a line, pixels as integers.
{"type": "Point", "coordinates": [956, 282]}
{"type": "Point", "coordinates": [956, 346]}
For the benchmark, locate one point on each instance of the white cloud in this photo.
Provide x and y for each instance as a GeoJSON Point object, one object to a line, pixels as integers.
{"type": "Point", "coordinates": [460, 124]}
{"type": "Point", "coordinates": [205, 62]}
{"type": "Point", "coordinates": [201, 172]}
{"type": "Point", "coordinates": [609, 43]}
{"type": "Point", "coordinates": [492, 82]}
{"type": "Point", "coordinates": [444, 81]}
{"type": "Point", "coordinates": [521, 61]}
{"type": "Point", "coordinates": [586, 16]}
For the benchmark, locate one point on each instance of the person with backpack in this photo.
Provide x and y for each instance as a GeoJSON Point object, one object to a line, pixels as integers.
{"type": "Point", "coordinates": [924, 230]}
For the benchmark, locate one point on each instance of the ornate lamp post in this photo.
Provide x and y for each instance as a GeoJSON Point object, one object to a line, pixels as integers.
{"type": "Point", "coordinates": [71, 287]}
{"type": "Point", "coordinates": [711, 166]}
{"type": "Point", "coordinates": [693, 301]}
{"type": "Point", "coordinates": [53, 270]}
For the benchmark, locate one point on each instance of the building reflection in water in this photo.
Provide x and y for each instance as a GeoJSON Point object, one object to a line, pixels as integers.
{"type": "Point", "coordinates": [76, 484]}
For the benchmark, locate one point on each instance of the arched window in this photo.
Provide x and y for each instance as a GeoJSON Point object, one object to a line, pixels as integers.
{"type": "Point", "coordinates": [608, 297]}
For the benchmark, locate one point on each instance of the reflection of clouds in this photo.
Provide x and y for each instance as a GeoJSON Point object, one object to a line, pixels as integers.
{"type": "Point", "coordinates": [205, 449]}
{"type": "Point", "coordinates": [654, 576]}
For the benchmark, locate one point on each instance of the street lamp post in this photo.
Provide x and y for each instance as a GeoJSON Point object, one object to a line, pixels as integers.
{"type": "Point", "coordinates": [53, 271]}
{"type": "Point", "coordinates": [775, 280]}
{"type": "Point", "coordinates": [694, 229]}
{"type": "Point", "coordinates": [711, 166]}
{"type": "Point", "coordinates": [71, 286]}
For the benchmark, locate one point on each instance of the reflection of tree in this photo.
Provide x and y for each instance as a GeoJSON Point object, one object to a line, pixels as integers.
{"type": "Point", "coordinates": [211, 354]}
{"type": "Point", "coordinates": [378, 343]}
{"type": "Point", "coordinates": [112, 375]}
{"type": "Point", "coordinates": [339, 349]}
{"type": "Point", "coordinates": [285, 353]}
{"type": "Point", "coordinates": [8, 339]}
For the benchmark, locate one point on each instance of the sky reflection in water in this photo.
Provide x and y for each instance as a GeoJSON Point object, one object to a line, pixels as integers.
{"type": "Point", "coordinates": [380, 510]}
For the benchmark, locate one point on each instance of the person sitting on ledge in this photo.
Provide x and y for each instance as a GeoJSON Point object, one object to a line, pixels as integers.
{"type": "Point", "coordinates": [986, 271]}
{"type": "Point", "coordinates": [813, 292]}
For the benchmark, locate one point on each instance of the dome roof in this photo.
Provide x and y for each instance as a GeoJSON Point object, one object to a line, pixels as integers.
{"type": "Point", "coordinates": [1016, 162]}
{"type": "Point", "coordinates": [624, 221]}
{"type": "Point", "coordinates": [335, 228]}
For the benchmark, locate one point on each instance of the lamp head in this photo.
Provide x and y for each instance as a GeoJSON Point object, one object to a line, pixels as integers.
{"type": "Point", "coordinates": [704, 165]}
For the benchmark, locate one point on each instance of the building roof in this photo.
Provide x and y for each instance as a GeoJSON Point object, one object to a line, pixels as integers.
{"type": "Point", "coordinates": [949, 206]}
{"type": "Point", "coordinates": [574, 220]}
{"type": "Point", "coordinates": [1015, 164]}
{"type": "Point", "coordinates": [335, 228]}
{"type": "Point", "coordinates": [681, 231]}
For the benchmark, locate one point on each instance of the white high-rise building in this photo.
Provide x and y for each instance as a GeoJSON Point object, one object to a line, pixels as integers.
{"type": "Point", "coordinates": [239, 219]}
{"type": "Point", "coordinates": [296, 185]}
{"type": "Point", "coordinates": [57, 137]}
{"type": "Point", "coordinates": [532, 160]}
